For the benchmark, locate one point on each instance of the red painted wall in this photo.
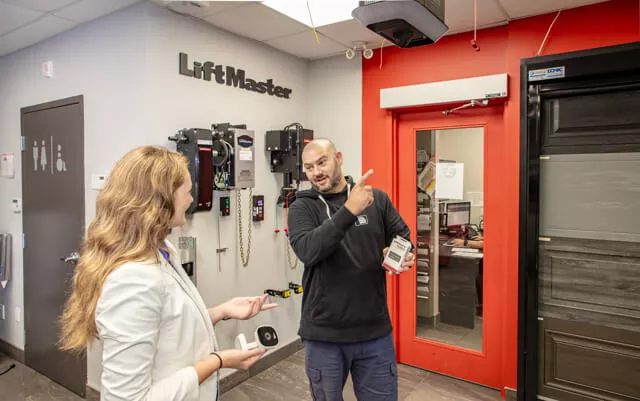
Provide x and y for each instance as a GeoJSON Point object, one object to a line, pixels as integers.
{"type": "Point", "coordinates": [605, 24]}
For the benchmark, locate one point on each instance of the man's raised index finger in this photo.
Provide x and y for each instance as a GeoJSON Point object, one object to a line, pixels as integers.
{"type": "Point", "coordinates": [365, 177]}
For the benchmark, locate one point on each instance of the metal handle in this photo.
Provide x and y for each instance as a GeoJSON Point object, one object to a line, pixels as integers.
{"type": "Point", "coordinates": [72, 258]}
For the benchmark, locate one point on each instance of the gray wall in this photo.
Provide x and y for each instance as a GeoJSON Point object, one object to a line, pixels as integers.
{"type": "Point", "coordinates": [97, 61]}
{"type": "Point", "coordinates": [335, 107]}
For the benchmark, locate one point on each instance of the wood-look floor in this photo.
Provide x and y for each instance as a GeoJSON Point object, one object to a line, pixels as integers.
{"type": "Point", "coordinates": [286, 381]}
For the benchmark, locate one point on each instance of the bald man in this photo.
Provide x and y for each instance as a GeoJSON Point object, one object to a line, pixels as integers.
{"type": "Point", "coordinates": [341, 231]}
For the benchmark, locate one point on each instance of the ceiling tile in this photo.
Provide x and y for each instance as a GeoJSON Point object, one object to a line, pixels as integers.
{"type": "Point", "coordinates": [347, 32]}
{"type": "Point", "coordinates": [207, 8]}
{"type": "Point", "coordinates": [30, 34]}
{"type": "Point", "coordinates": [315, 12]}
{"type": "Point", "coordinates": [87, 10]}
{"type": "Point", "coordinates": [458, 15]}
{"type": "Point", "coordinates": [304, 45]}
{"type": "Point", "coordinates": [41, 5]}
{"type": "Point", "coordinates": [257, 22]}
{"type": "Point", "coordinates": [522, 9]}
{"type": "Point", "coordinates": [11, 17]}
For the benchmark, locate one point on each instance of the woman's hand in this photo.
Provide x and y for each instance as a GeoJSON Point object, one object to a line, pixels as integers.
{"type": "Point", "coordinates": [244, 308]}
{"type": "Point", "coordinates": [238, 359]}
{"type": "Point", "coordinates": [231, 358]}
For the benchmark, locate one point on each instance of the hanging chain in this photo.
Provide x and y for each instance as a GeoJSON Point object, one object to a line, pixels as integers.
{"type": "Point", "coordinates": [289, 251]}
{"type": "Point", "coordinates": [244, 261]}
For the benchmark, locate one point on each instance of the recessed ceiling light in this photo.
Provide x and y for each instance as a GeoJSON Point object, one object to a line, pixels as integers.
{"type": "Point", "coordinates": [323, 12]}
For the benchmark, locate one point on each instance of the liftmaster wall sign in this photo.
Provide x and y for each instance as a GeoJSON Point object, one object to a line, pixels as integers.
{"type": "Point", "coordinates": [230, 76]}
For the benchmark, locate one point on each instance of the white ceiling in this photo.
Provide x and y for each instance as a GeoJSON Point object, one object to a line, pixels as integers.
{"type": "Point", "coordinates": [26, 22]}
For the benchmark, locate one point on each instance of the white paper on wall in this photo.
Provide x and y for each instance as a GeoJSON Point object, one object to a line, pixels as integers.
{"type": "Point", "coordinates": [449, 181]}
{"type": "Point", "coordinates": [476, 198]}
{"type": "Point", "coordinates": [7, 166]}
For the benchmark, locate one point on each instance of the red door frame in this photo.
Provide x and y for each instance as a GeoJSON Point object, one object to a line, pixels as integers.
{"type": "Point", "coordinates": [480, 367]}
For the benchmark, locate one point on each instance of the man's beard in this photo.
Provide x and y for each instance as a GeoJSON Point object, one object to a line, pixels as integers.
{"type": "Point", "coordinates": [333, 184]}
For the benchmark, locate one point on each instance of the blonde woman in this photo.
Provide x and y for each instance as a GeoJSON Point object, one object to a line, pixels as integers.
{"type": "Point", "coordinates": [130, 291]}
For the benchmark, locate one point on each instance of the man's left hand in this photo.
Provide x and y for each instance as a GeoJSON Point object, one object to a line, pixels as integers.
{"type": "Point", "coordinates": [409, 260]}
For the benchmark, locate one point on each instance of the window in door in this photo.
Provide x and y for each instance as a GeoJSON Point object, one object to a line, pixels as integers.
{"type": "Point", "coordinates": [450, 224]}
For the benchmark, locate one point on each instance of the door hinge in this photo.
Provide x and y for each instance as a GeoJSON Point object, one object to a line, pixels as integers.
{"type": "Point", "coordinates": [540, 318]}
{"type": "Point", "coordinates": [24, 241]}
{"type": "Point", "coordinates": [23, 143]}
{"type": "Point", "coordinates": [545, 157]}
{"type": "Point", "coordinates": [544, 239]}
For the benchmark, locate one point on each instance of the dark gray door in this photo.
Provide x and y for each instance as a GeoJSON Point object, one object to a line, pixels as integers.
{"type": "Point", "coordinates": [589, 250]}
{"type": "Point", "coordinates": [53, 218]}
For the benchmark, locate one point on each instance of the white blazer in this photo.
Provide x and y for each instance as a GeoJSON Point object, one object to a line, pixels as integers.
{"type": "Point", "coordinates": [155, 327]}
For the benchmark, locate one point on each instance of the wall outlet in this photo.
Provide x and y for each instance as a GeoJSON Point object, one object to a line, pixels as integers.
{"type": "Point", "coordinates": [18, 314]}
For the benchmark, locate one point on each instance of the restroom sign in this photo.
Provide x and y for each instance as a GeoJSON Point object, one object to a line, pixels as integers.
{"type": "Point", "coordinates": [47, 156]}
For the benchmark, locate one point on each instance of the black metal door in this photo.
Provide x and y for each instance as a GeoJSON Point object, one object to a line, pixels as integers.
{"type": "Point", "coordinates": [53, 218]}
{"type": "Point", "coordinates": [580, 226]}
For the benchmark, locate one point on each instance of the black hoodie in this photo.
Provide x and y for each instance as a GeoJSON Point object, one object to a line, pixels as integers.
{"type": "Point", "coordinates": [344, 283]}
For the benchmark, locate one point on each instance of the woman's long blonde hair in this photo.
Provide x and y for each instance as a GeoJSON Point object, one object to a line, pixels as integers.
{"type": "Point", "coordinates": [133, 217]}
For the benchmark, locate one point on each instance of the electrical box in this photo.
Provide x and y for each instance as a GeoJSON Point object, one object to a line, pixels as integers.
{"type": "Point", "coordinates": [258, 207]}
{"type": "Point", "coordinates": [196, 144]}
{"type": "Point", "coordinates": [234, 156]}
{"type": "Point", "coordinates": [286, 148]}
{"type": "Point", "coordinates": [225, 206]}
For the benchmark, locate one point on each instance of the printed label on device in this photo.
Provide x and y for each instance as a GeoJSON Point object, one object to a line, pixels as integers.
{"type": "Point", "coordinates": [547, 73]}
{"type": "Point", "coordinates": [398, 251]}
